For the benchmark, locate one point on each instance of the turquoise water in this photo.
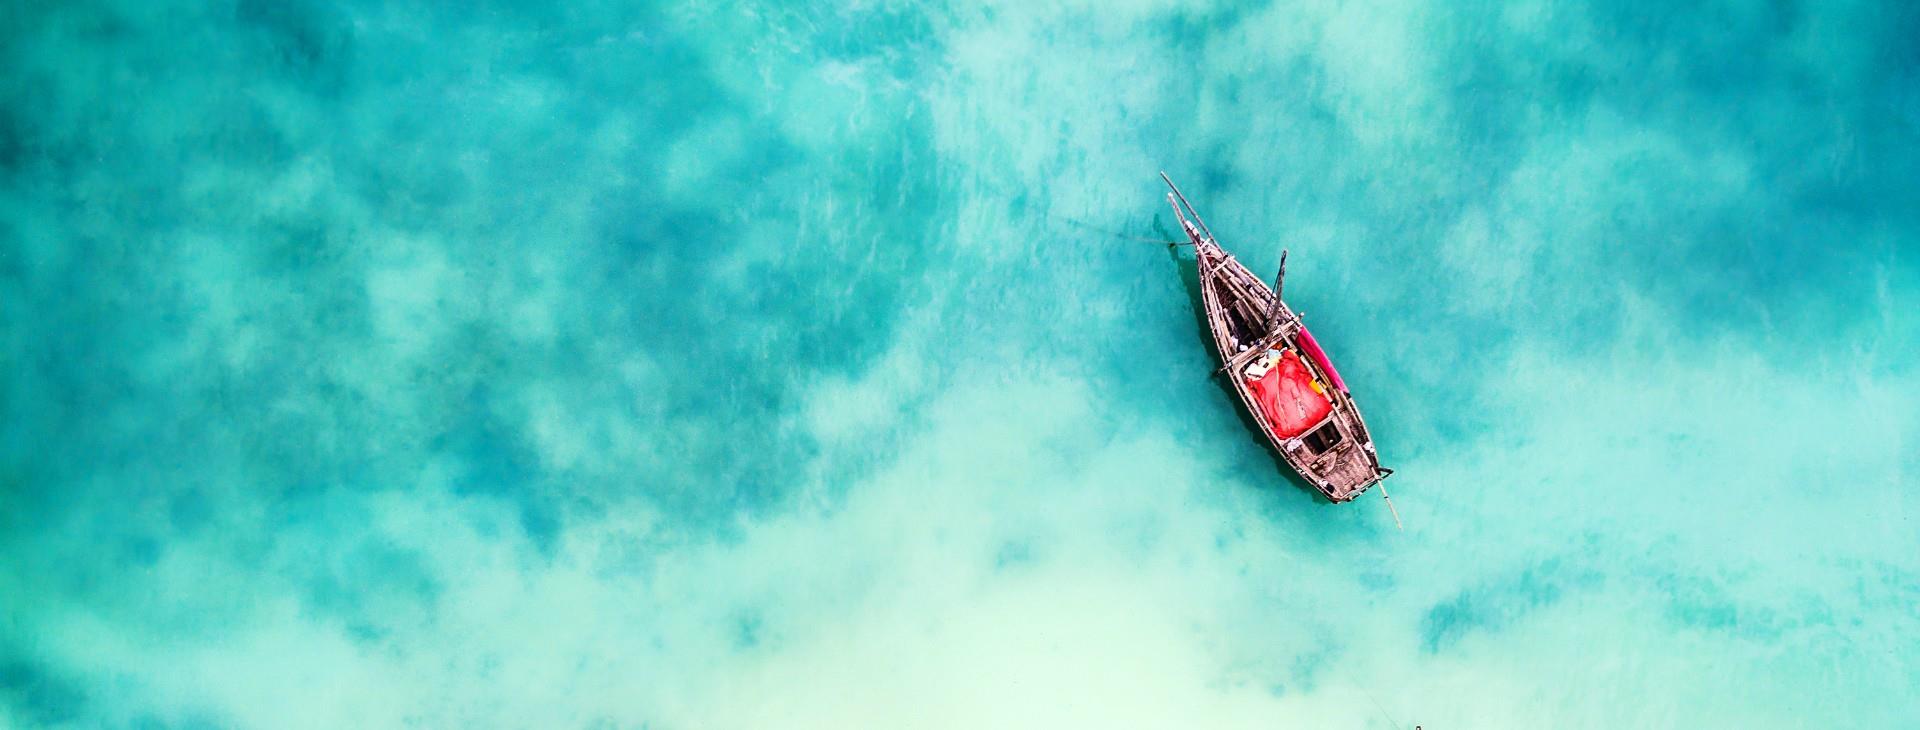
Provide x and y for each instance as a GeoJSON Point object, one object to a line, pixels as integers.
{"type": "Point", "coordinates": [674, 366]}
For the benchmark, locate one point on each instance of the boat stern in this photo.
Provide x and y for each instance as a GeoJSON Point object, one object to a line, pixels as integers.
{"type": "Point", "coordinates": [1344, 472]}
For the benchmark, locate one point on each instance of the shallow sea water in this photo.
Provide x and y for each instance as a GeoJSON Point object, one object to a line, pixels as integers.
{"type": "Point", "coordinates": [812, 365]}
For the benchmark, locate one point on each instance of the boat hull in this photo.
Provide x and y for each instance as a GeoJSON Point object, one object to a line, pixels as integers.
{"type": "Point", "coordinates": [1335, 453]}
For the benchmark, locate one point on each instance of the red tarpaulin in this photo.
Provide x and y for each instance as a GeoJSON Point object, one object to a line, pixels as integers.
{"type": "Point", "coordinates": [1287, 396]}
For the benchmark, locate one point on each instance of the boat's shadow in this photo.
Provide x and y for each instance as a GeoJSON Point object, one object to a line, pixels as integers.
{"type": "Point", "coordinates": [1190, 280]}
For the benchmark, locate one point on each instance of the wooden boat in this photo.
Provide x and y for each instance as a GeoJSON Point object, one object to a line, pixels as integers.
{"type": "Point", "coordinates": [1283, 377]}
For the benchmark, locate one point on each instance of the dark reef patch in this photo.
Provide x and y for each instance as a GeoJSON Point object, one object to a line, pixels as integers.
{"type": "Point", "coordinates": [1493, 606]}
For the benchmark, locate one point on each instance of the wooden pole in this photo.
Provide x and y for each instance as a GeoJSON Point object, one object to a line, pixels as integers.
{"type": "Point", "coordinates": [1183, 201]}
{"type": "Point", "coordinates": [1396, 513]}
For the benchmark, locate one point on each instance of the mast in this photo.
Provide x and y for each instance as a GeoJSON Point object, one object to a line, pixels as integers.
{"type": "Point", "coordinates": [1273, 314]}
